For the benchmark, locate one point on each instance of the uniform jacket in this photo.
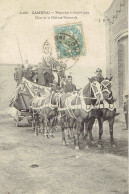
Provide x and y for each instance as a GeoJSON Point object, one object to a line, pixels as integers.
{"type": "Point", "coordinates": [40, 76]}
{"type": "Point", "coordinates": [61, 74]}
{"type": "Point", "coordinates": [126, 106]}
{"type": "Point", "coordinates": [99, 79]}
{"type": "Point", "coordinates": [26, 73]}
{"type": "Point", "coordinates": [49, 77]}
{"type": "Point", "coordinates": [18, 74]}
{"type": "Point", "coordinates": [69, 88]}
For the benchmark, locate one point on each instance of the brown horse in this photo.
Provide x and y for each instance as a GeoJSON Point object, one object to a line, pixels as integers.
{"type": "Point", "coordinates": [45, 109]}
{"type": "Point", "coordinates": [106, 111]}
{"type": "Point", "coordinates": [42, 107]}
{"type": "Point", "coordinates": [79, 108]}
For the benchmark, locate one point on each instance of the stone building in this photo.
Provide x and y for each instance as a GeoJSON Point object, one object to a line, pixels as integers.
{"type": "Point", "coordinates": [116, 18]}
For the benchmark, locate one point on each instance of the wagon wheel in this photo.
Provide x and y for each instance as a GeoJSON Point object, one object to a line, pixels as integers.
{"type": "Point", "coordinates": [17, 119]}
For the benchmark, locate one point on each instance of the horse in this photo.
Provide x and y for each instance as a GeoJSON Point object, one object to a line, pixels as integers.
{"type": "Point", "coordinates": [38, 104]}
{"type": "Point", "coordinates": [79, 108]}
{"type": "Point", "coordinates": [46, 109]}
{"type": "Point", "coordinates": [106, 111]}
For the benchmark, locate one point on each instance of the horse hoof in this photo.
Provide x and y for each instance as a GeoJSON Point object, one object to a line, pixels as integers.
{"type": "Point", "coordinates": [100, 146]}
{"type": "Point", "coordinates": [51, 136]}
{"type": "Point", "coordinates": [113, 145]}
{"type": "Point", "coordinates": [45, 135]}
{"type": "Point", "coordinates": [64, 143]}
{"type": "Point", "coordinates": [77, 148]}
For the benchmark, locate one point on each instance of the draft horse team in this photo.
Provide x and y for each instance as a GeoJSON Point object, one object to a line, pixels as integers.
{"type": "Point", "coordinates": [75, 111]}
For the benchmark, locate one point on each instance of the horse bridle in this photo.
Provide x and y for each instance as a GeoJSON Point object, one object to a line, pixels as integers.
{"type": "Point", "coordinates": [98, 91]}
{"type": "Point", "coordinates": [105, 89]}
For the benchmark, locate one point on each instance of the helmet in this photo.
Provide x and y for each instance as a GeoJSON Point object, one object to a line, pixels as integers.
{"type": "Point", "coordinates": [98, 70]}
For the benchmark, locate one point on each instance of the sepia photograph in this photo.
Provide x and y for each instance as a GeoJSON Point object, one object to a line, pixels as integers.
{"type": "Point", "coordinates": [64, 97]}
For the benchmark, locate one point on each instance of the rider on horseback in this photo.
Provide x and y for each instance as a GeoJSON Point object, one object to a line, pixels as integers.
{"type": "Point", "coordinates": [99, 77]}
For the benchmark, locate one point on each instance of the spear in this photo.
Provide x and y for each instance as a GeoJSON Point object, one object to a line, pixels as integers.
{"type": "Point", "coordinates": [19, 49]}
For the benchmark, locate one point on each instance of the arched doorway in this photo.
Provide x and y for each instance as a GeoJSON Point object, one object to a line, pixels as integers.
{"type": "Point", "coordinates": [122, 68]}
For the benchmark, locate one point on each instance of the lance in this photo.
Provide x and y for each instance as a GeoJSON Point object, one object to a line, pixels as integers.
{"type": "Point", "coordinates": [19, 49]}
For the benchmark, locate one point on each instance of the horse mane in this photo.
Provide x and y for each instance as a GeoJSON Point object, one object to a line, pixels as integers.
{"type": "Point", "coordinates": [85, 89]}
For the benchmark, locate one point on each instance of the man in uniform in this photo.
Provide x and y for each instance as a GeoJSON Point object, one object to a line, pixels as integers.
{"type": "Point", "coordinates": [61, 74]}
{"type": "Point", "coordinates": [15, 74]}
{"type": "Point", "coordinates": [26, 64]}
{"type": "Point", "coordinates": [26, 70]}
{"type": "Point", "coordinates": [99, 77]}
{"type": "Point", "coordinates": [35, 74]}
{"type": "Point", "coordinates": [26, 73]}
{"type": "Point", "coordinates": [18, 74]}
{"type": "Point", "coordinates": [40, 73]}
{"type": "Point", "coordinates": [30, 73]}
{"type": "Point", "coordinates": [49, 77]}
{"type": "Point", "coordinates": [69, 87]}
{"type": "Point", "coordinates": [126, 110]}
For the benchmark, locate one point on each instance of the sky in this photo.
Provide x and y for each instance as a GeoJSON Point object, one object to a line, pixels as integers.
{"type": "Point", "coordinates": [31, 33]}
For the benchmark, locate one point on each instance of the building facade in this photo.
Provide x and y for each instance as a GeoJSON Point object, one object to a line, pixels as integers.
{"type": "Point", "coordinates": [116, 18]}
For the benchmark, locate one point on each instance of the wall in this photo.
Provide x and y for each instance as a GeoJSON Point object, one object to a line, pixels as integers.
{"type": "Point", "coordinates": [116, 58]}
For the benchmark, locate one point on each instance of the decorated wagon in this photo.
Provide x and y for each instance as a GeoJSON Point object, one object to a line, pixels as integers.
{"type": "Point", "coordinates": [22, 99]}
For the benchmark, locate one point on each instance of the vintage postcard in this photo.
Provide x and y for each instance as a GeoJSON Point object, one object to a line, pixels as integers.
{"type": "Point", "coordinates": [64, 96]}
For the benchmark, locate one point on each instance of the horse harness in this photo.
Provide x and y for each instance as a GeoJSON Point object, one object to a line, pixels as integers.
{"type": "Point", "coordinates": [69, 107]}
{"type": "Point", "coordinates": [105, 104]}
{"type": "Point", "coordinates": [45, 105]}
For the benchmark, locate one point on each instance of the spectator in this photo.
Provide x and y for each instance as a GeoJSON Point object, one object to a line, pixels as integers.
{"type": "Point", "coordinates": [126, 111]}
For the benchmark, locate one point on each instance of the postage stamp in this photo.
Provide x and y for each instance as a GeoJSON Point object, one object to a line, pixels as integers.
{"type": "Point", "coordinates": [69, 40]}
